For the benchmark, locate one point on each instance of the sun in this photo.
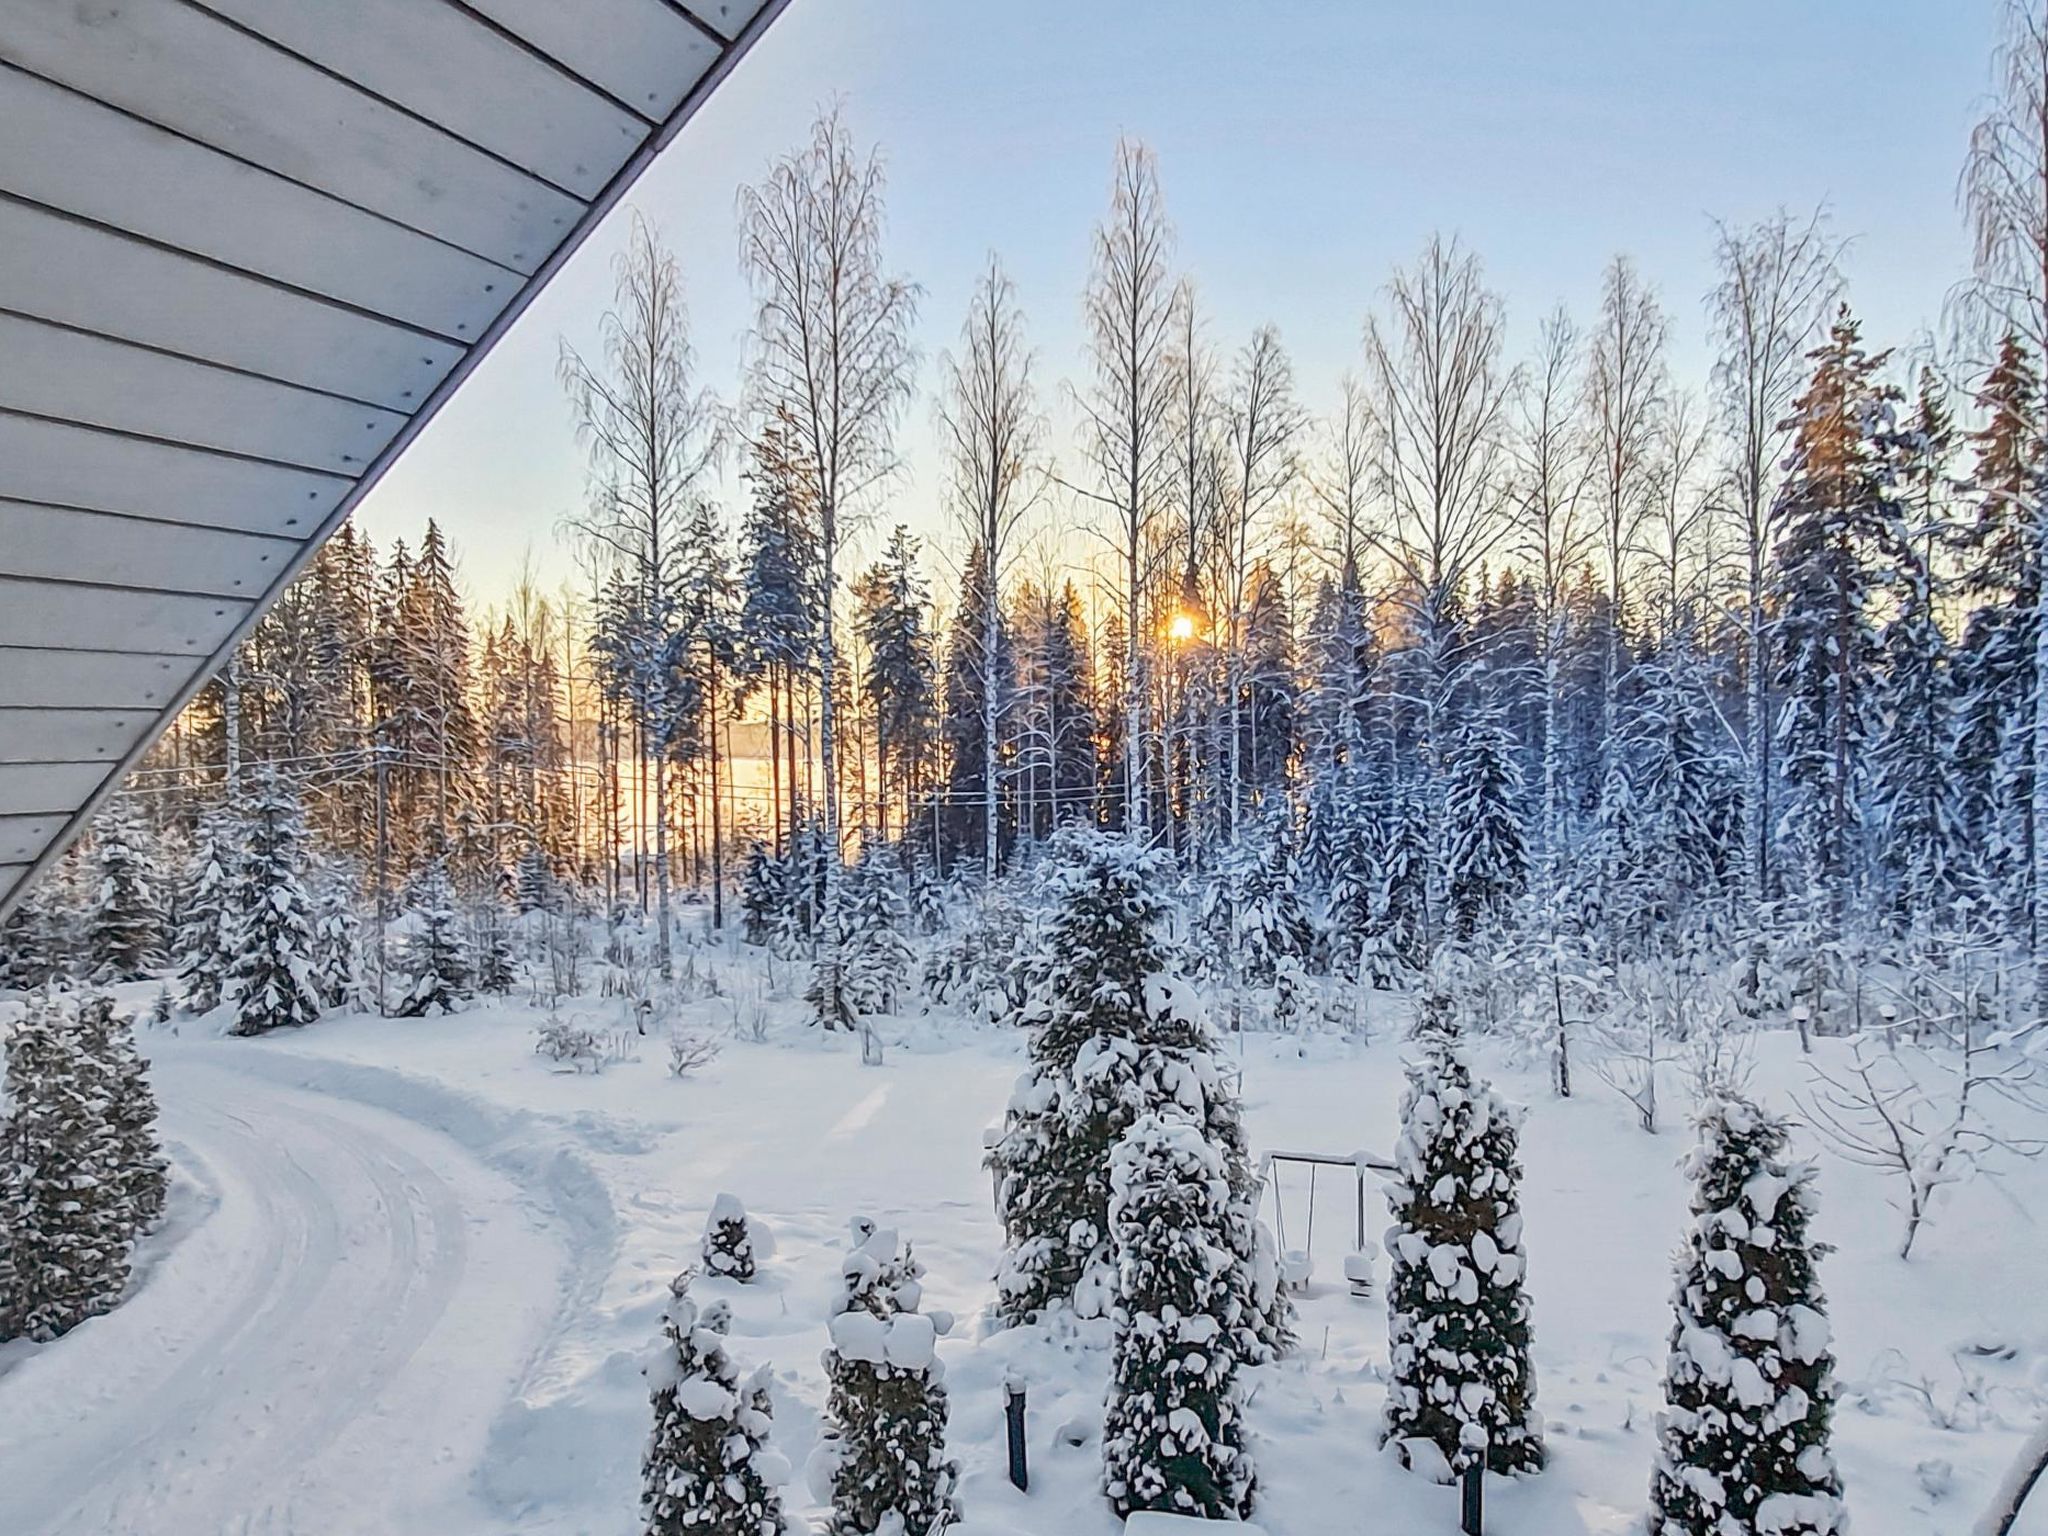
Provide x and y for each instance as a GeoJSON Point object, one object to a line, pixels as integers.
{"type": "Point", "coordinates": [1181, 627]}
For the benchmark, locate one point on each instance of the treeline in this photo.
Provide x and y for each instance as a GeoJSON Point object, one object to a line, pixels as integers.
{"type": "Point", "coordinates": [1551, 644]}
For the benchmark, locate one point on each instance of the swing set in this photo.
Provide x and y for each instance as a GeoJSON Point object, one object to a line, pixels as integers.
{"type": "Point", "coordinates": [1297, 1264]}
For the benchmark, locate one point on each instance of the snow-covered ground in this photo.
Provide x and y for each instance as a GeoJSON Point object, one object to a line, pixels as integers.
{"type": "Point", "coordinates": [412, 1272]}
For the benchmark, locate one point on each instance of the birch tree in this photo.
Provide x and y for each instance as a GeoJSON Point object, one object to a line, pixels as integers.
{"type": "Point", "coordinates": [832, 362]}
{"type": "Point", "coordinates": [1625, 385]}
{"type": "Point", "coordinates": [1440, 400]}
{"type": "Point", "coordinates": [1778, 282]}
{"type": "Point", "coordinates": [652, 435]}
{"type": "Point", "coordinates": [992, 428]}
{"type": "Point", "coordinates": [1126, 436]}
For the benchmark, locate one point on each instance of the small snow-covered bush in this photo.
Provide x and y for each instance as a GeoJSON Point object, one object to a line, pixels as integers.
{"type": "Point", "coordinates": [729, 1241]}
{"type": "Point", "coordinates": [687, 1051]}
{"type": "Point", "coordinates": [1460, 1385]}
{"type": "Point", "coordinates": [882, 1453]}
{"type": "Point", "coordinates": [577, 1046]}
{"type": "Point", "coordinates": [1743, 1443]}
{"type": "Point", "coordinates": [708, 1469]}
{"type": "Point", "coordinates": [1173, 1437]}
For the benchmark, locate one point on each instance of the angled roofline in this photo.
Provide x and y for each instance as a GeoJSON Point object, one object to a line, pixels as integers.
{"type": "Point", "coordinates": [607, 198]}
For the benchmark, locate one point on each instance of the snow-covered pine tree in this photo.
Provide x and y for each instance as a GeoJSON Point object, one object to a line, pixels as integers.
{"type": "Point", "coordinates": [1350, 895]}
{"type": "Point", "coordinates": [1271, 924]}
{"type": "Point", "coordinates": [1400, 937]}
{"type": "Point", "coordinates": [124, 928]}
{"type": "Point", "coordinates": [1488, 852]}
{"type": "Point", "coordinates": [337, 936]}
{"type": "Point", "coordinates": [1750, 1382]}
{"type": "Point", "coordinates": [1837, 502]}
{"type": "Point", "coordinates": [1118, 1032]}
{"type": "Point", "coordinates": [729, 1241]}
{"type": "Point", "coordinates": [900, 682]}
{"type": "Point", "coordinates": [61, 1197]}
{"type": "Point", "coordinates": [271, 976]}
{"type": "Point", "coordinates": [1915, 788]}
{"type": "Point", "coordinates": [2001, 579]}
{"type": "Point", "coordinates": [31, 940]}
{"type": "Point", "coordinates": [108, 1041]}
{"type": "Point", "coordinates": [495, 970]}
{"type": "Point", "coordinates": [1173, 1437]}
{"type": "Point", "coordinates": [435, 958]}
{"type": "Point", "coordinates": [1460, 1385]}
{"type": "Point", "coordinates": [884, 1439]}
{"type": "Point", "coordinates": [762, 892]}
{"type": "Point", "coordinates": [878, 953]}
{"type": "Point", "coordinates": [207, 917]}
{"type": "Point", "coordinates": [708, 1469]}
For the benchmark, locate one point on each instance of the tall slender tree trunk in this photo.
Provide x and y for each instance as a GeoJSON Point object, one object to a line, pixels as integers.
{"type": "Point", "coordinates": [991, 639]}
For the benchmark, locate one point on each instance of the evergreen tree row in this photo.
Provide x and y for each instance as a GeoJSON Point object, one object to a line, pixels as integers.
{"type": "Point", "coordinates": [81, 1174]}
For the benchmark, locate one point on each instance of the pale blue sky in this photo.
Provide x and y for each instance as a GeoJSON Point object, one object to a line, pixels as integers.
{"type": "Point", "coordinates": [1305, 149]}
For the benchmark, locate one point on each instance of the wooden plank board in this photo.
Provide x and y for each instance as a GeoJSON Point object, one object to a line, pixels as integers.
{"type": "Point", "coordinates": [133, 175]}
{"type": "Point", "coordinates": [63, 465]}
{"type": "Point", "coordinates": [10, 876]}
{"type": "Point", "coordinates": [641, 51]}
{"type": "Point", "coordinates": [77, 274]}
{"type": "Point", "coordinates": [78, 735]}
{"type": "Point", "coordinates": [75, 376]}
{"type": "Point", "coordinates": [61, 544]}
{"type": "Point", "coordinates": [38, 788]}
{"type": "Point", "coordinates": [24, 837]}
{"type": "Point", "coordinates": [178, 66]}
{"type": "Point", "coordinates": [60, 617]}
{"type": "Point", "coordinates": [442, 64]}
{"type": "Point", "coordinates": [31, 679]}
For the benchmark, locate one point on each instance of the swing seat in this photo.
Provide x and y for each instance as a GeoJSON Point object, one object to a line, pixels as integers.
{"type": "Point", "coordinates": [1296, 1267]}
{"type": "Point", "coordinates": [1358, 1269]}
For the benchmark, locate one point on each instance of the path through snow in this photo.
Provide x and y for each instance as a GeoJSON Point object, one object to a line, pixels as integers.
{"type": "Point", "coordinates": [326, 1351]}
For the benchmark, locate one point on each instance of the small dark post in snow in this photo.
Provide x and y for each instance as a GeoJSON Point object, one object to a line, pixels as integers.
{"type": "Point", "coordinates": [1472, 1501]}
{"type": "Point", "coordinates": [1013, 1413]}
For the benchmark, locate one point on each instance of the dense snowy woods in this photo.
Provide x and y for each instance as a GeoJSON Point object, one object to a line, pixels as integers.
{"type": "Point", "coordinates": [1626, 682]}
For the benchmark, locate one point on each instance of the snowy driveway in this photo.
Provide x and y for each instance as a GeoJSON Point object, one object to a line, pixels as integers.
{"type": "Point", "coordinates": [324, 1352]}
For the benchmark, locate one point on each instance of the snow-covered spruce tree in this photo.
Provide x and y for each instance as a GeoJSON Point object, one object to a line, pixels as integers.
{"type": "Point", "coordinates": [1487, 848]}
{"type": "Point", "coordinates": [1750, 1381]}
{"type": "Point", "coordinates": [31, 948]}
{"type": "Point", "coordinates": [1460, 1385]}
{"type": "Point", "coordinates": [708, 1469]}
{"type": "Point", "coordinates": [762, 892]}
{"type": "Point", "coordinates": [729, 1241]}
{"type": "Point", "coordinates": [1253, 910]}
{"type": "Point", "coordinates": [884, 1440]}
{"type": "Point", "coordinates": [829, 993]}
{"type": "Point", "coordinates": [1118, 1032]}
{"type": "Point", "coordinates": [495, 970]}
{"type": "Point", "coordinates": [337, 937]}
{"type": "Point", "coordinates": [271, 975]}
{"type": "Point", "coordinates": [1173, 1436]}
{"type": "Point", "coordinates": [878, 953]}
{"type": "Point", "coordinates": [207, 916]}
{"type": "Point", "coordinates": [435, 958]}
{"type": "Point", "coordinates": [124, 929]}
{"type": "Point", "coordinates": [108, 1041]}
{"type": "Point", "coordinates": [61, 1201]}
